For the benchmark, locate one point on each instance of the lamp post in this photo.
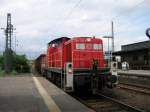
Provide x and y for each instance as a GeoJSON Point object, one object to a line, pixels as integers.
{"type": "Point", "coordinates": [112, 48]}
{"type": "Point", "coordinates": [109, 54]}
{"type": "Point", "coordinates": [148, 35]}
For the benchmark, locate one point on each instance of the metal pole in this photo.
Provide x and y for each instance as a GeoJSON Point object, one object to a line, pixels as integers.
{"type": "Point", "coordinates": [112, 50]}
{"type": "Point", "coordinates": [8, 51]}
{"type": "Point", "coordinates": [149, 55]}
{"type": "Point", "coordinates": [148, 35]}
{"type": "Point", "coordinates": [108, 54]}
{"type": "Point", "coordinates": [112, 29]}
{"type": "Point", "coordinates": [61, 71]}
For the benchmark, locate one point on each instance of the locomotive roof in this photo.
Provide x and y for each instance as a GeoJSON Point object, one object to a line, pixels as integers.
{"type": "Point", "coordinates": [58, 40]}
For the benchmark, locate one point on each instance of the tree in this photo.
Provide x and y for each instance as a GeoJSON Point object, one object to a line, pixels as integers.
{"type": "Point", "coordinates": [1, 62]}
{"type": "Point", "coordinates": [21, 63]}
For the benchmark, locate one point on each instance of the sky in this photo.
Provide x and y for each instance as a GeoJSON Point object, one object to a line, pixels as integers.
{"type": "Point", "coordinates": [37, 22]}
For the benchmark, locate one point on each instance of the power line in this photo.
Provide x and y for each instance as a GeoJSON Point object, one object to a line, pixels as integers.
{"type": "Point", "coordinates": [128, 10]}
{"type": "Point", "coordinates": [70, 13]}
{"type": "Point", "coordinates": [125, 12]}
{"type": "Point", "coordinates": [137, 20]}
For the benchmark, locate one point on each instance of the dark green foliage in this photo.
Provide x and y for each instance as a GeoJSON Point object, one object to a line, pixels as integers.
{"type": "Point", "coordinates": [20, 63]}
{"type": "Point", "coordinates": [1, 62]}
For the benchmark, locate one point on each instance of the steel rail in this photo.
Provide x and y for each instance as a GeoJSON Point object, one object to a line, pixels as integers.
{"type": "Point", "coordinates": [122, 104]}
{"type": "Point", "coordinates": [136, 88]}
{"type": "Point", "coordinates": [135, 85]}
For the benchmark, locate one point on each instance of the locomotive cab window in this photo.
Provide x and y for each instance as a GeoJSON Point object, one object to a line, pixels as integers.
{"type": "Point", "coordinates": [89, 46]}
{"type": "Point", "coordinates": [97, 46]}
{"type": "Point", "coordinates": [80, 46]}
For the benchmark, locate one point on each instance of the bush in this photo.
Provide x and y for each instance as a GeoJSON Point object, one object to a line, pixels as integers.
{"type": "Point", "coordinates": [20, 64]}
{"type": "Point", "coordinates": [1, 62]}
{"type": "Point", "coordinates": [13, 72]}
{"type": "Point", "coordinates": [2, 73]}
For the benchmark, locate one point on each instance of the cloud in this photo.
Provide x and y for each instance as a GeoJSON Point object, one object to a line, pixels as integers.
{"type": "Point", "coordinates": [39, 21]}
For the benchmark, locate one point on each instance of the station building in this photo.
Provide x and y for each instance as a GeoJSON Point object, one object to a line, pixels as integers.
{"type": "Point", "coordinates": [136, 54]}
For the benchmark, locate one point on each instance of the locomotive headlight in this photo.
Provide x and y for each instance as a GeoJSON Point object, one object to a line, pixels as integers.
{"type": "Point", "coordinates": [70, 66]}
{"type": "Point", "coordinates": [69, 69]}
{"type": "Point", "coordinates": [88, 39]}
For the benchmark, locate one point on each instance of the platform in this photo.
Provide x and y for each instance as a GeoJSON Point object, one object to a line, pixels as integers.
{"type": "Point", "coordinates": [145, 73]}
{"type": "Point", "coordinates": [27, 93]}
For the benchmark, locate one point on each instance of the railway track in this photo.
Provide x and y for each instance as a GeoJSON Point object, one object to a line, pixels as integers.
{"type": "Point", "coordinates": [137, 88]}
{"type": "Point", "coordinates": [102, 103]}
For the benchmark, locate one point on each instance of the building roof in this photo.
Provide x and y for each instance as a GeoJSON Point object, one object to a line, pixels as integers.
{"type": "Point", "coordinates": [136, 46]}
{"type": "Point", "coordinates": [133, 47]}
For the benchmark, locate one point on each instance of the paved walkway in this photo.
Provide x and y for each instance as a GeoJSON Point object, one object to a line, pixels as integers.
{"type": "Point", "coordinates": [138, 72]}
{"type": "Point", "coordinates": [27, 93]}
{"type": "Point", "coordinates": [19, 94]}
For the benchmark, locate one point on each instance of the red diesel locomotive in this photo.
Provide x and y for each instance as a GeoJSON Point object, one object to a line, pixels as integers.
{"type": "Point", "coordinates": [78, 63]}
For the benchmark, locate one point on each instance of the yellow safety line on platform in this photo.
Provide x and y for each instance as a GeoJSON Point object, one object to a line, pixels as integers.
{"type": "Point", "coordinates": [52, 107]}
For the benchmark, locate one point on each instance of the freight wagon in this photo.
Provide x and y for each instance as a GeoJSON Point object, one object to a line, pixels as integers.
{"type": "Point", "coordinates": [40, 64]}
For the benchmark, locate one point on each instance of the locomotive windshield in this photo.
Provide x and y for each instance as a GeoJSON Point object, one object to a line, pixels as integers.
{"type": "Point", "coordinates": [82, 46]}
{"type": "Point", "coordinates": [97, 46]}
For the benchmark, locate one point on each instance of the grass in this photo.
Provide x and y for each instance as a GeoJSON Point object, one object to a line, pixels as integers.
{"type": "Point", "coordinates": [3, 73]}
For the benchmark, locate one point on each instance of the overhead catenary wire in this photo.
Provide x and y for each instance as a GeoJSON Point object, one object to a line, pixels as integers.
{"type": "Point", "coordinates": [112, 19]}
{"type": "Point", "coordinates": [69, 14]}
{"type": "Point", "coordinates": [123, 13]}
{"type": "Point", "coordinates": [136, 19]}
{"type": "Point", "coordinates": [128, 10]}
{"type": "Point", "coordinates": [116, 17]}
{"type": "Point", "coordinates": [72, 10]}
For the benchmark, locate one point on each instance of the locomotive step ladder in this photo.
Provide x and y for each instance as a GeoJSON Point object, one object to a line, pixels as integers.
{"type": "Point", "coordinates": [68, 77]}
